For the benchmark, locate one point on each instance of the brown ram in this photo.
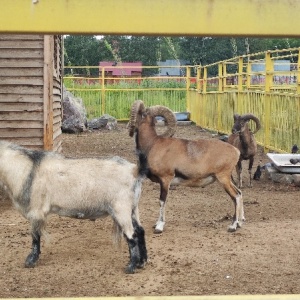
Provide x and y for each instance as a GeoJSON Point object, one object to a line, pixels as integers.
{"type": "Point", "coordinates": [173, 161]}
{"type": "Point", "coordinates": [243, 139]}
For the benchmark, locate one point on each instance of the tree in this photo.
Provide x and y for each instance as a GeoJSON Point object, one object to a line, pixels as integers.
{"type": "Point", "coordinates": [89, 51]}
{"type": "Point", "coordinates": [82, 50]}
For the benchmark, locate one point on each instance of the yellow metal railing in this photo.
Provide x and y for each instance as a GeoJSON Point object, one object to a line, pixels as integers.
{"type": "Point", "coordinates": [109, 94]}
{"type": "Point", "coordinates": [266, 84]}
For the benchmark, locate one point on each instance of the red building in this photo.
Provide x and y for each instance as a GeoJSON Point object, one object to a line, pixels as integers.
{"type": "Point", "coordinates": [123, 69]}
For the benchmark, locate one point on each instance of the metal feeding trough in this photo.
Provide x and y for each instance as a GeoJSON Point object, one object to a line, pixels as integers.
{"type": "Point", "coordinates": [180, 116]}
{"type": "Point", "coordinates": [282, 162]}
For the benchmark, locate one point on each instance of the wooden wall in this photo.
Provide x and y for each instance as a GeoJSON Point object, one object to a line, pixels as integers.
{"type": "Point", "coordinates": [31, 90]}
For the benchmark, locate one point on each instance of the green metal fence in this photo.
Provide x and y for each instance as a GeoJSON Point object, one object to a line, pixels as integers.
{"type": "Point", "coordinates": [266, 84]}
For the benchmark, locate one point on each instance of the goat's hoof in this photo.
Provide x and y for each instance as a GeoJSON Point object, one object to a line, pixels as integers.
{"type": "Point", "coordinates": [130, 269]}
{"type": "Point", "coordinates": [141, 265]}
{"type": "Point", "coordinates": [31, 261]}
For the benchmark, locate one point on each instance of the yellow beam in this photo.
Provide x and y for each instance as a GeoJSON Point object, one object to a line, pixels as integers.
{"type": "Point", "coordinates": [152, 17]}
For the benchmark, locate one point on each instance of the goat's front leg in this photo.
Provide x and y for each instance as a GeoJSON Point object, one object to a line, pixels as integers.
{"type": "Point", "coordinates": [140, 233]}
{"type": "Point", "coordinates": [134, 254]}
{"type": "Point", "coordinates": [37, 226]}
{"type": "Point", "coordinates": [33, 257]}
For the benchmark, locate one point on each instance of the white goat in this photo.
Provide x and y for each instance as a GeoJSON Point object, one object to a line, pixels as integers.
{"type": "Point", "coordinates": [243, 139]}
{"type": "Point", "coordinates": [40, 183]}
{"type": "Point", "coordinates": [173, 161]}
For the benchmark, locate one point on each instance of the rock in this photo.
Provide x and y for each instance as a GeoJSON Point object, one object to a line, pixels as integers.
{"type": "Point", "coordinates": [74, 114]}
{"type": "Point", "coordinates": [106, 121]}
{"type": "Point", "coordinates": [296, 179]}
{"type": "Point", "coordinates": [279, 177]}
{"type": "Point", "coordinates": [97, 123]}
{"type": "Point", "coordinates": [282, 178]}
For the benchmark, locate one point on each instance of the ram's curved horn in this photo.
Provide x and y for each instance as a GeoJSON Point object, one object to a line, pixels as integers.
{"type": "Point", "coordinates": [248, 117]}
{"type": "Point", "coordinates": [168, 115]}
{"type": "Point", "coordinates": [137, 108]}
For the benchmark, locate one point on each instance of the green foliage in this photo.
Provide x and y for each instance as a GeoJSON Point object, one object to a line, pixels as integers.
{"type": "Point", "coordinates": [89, 51]}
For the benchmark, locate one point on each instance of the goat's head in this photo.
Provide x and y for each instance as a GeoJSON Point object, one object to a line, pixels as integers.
{"type": "Point", "coordinates": [241, 122]}
{"type": "Point", "coordinates": [139, 114]}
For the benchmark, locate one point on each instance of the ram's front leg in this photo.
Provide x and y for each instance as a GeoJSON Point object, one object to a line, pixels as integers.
{"type": "Point", "coordinates": [239, 174]}
{"type": "Point", "coordinates": [164, 190]}
{"type": "Point", "coordinates": [251, 161]}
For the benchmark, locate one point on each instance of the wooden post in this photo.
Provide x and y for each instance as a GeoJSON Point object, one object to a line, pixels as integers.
{"type": "Point", "coordinates": [48, 92]}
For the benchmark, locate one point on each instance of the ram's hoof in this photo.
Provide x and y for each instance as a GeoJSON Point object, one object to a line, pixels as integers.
{"type": "Point", "coordinates": [232, 228]}
{"type": "Point", "coordinates": [159, 227]}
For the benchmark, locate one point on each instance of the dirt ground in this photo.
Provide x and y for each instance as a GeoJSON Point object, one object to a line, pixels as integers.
{"type": "Point", "coordinates": [195, 255]}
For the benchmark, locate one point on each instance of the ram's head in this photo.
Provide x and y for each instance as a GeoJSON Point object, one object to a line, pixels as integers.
{"type": "Point", "coordinates": [241, 120]}
{"type": "Point", "coordinates": [139, 111]}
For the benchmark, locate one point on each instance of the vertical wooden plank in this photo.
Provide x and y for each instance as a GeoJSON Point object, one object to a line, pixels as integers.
{"type": "Point", "coordinates": [48, 92]}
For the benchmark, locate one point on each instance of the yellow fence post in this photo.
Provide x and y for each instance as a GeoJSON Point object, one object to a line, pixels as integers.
{"type": "Point", "coordinates": [269, 70]}
{"type": "Point", "coordinates": [240, 85]}
{"type": "Point", "coordinates": [240, 74]}
{"type": "Point", "coordinates": [188, 86]}
{"type": "Point", "coordinates": [220, 75]}
{"type": "Point", "coordinates": [204, 88]}
{"type": "Point", "coordinates": [222, 71]}
{"type": "Point", "coordinates": [204, 96]}
{"type": "Point", "coordinates": [248, 76]}
{"type": "Point", "coordinates": [198, 79]}
{"type": "Point", "coordinates": [103, 90]}
{"type": "Point", "coordinates": [224, 76]}
{"type": "Point", "coordinates": [188, 78]}
{"type": "Point", "coordinates": [298, 73]}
